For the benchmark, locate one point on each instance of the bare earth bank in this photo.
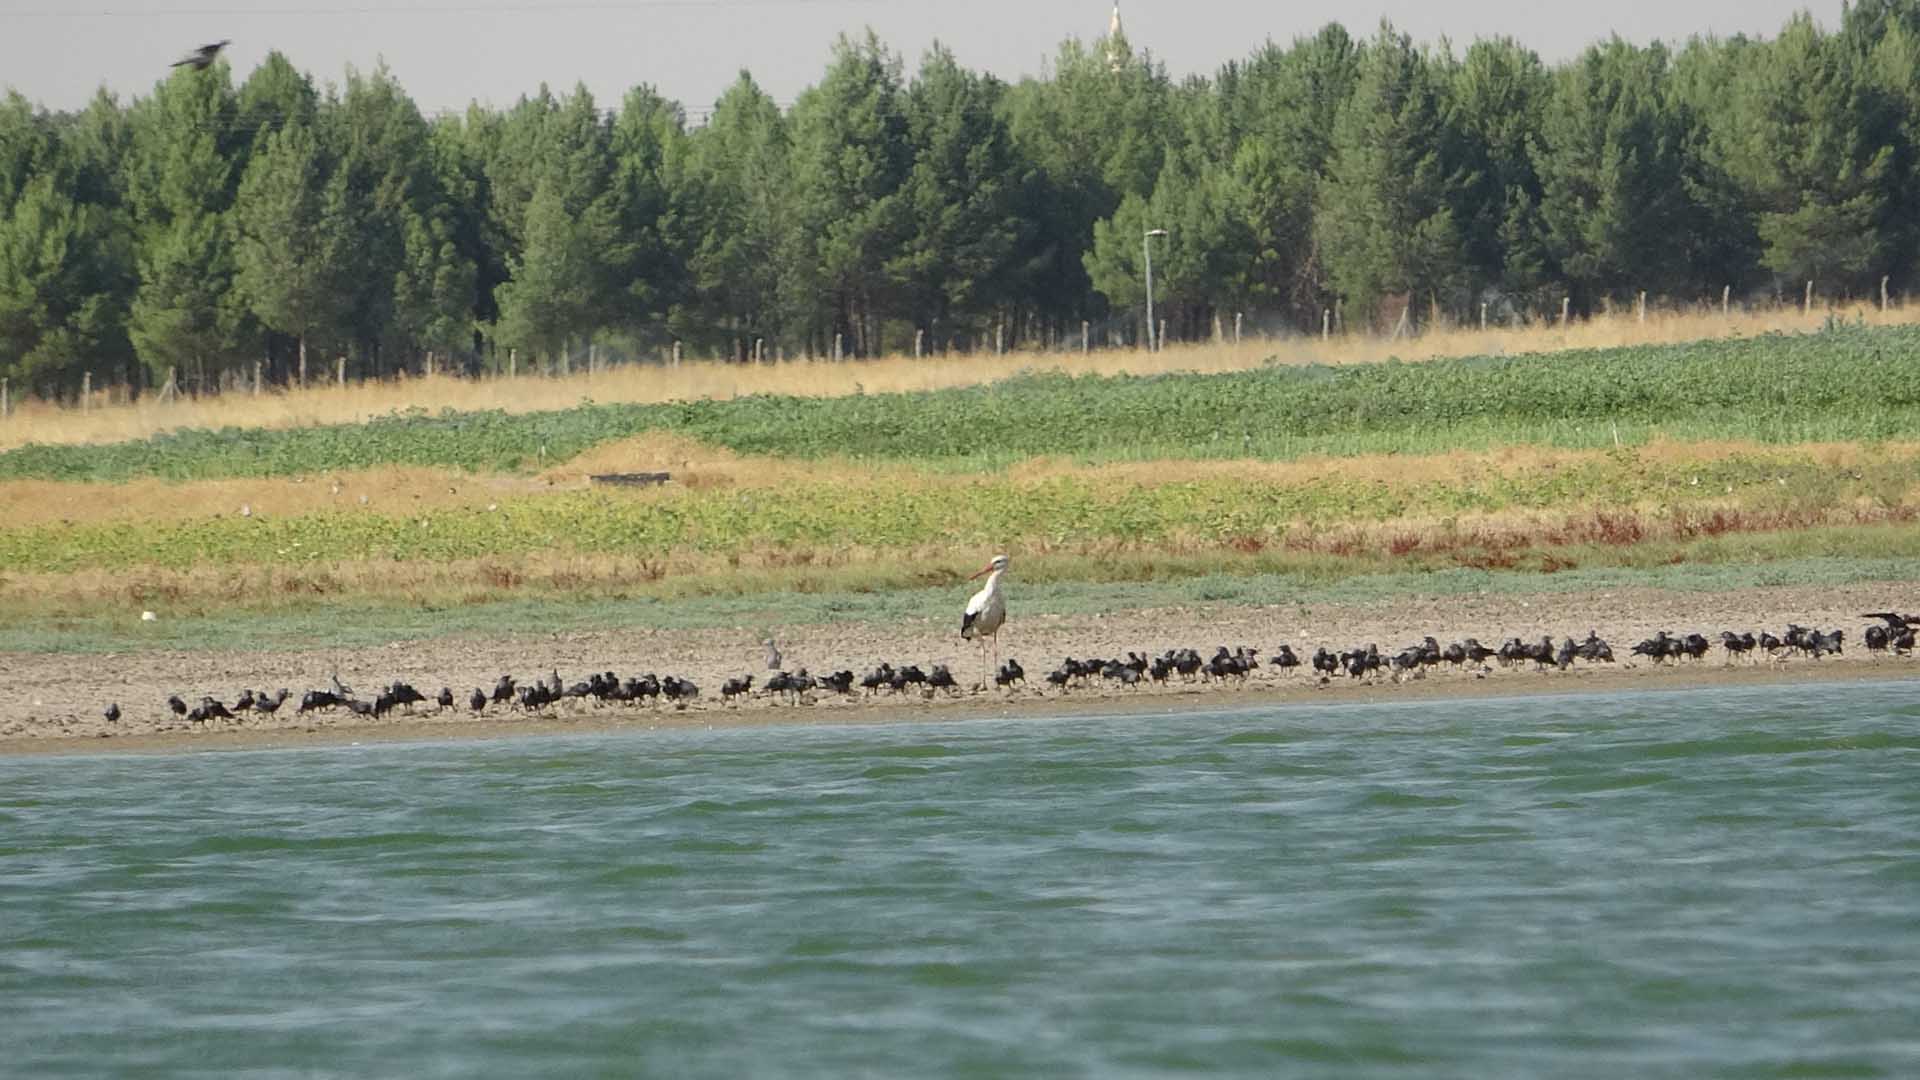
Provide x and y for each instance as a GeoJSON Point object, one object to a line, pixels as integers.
{"type": "Point", "coordinates": [54, 702]}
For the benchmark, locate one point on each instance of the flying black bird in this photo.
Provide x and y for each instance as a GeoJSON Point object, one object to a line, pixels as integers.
{"type": "Point", "coordinates": [201, 58]}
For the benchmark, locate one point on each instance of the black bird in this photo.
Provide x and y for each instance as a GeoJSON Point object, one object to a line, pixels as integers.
{"type": "Point", "coordinates": [1283, 658]}
{"type": "Point", "coordinates": [733, 688]}
{"type": "Point", "coordinates": [402, 694]}
{"type": "Point", "coordinates": [202, 58]}
{"type": "Point", "coordinates": [1120, 673]}
{"type": "Point", "coordinates": [319, 699]}
{"type": "Point", "coordinates": [1738, 644]}
{"type": "Point", "coordinates": [1596, 650]}
{"type": "Point", "coordinates": [840, 682]}
{"type": "Point", "coordinates": [270, 705]}
{"type": "Point", "coordinates": [1829, 642]}
{"type": "Point", "coordinates": [113, 713]}
{"type": "Point", "coordinates": [245, 704]}
{"type": "Point", "coordinates": [503, 690]}
{"type": "Point", "coordinates": [942, 679]}
{"type": "Point", "coordinates": [1877, 638]}
{"type": "Point", "coordinates": [477, 701]}
{"type": "Point", "coordinates": [213, 710]}
{"type": "Point", "coordinates": [445, 700]}
{"type": "Point", "coordinates": [1895, 621]}
{"type": "Point", "coordinates": [1010, 672]}
{"type": "Point", "coordinates": [1564, 658]}
{"type": "Point", "coordinates": [1655, 648]}
{"type": "Point", "coordinates": [179, 707]}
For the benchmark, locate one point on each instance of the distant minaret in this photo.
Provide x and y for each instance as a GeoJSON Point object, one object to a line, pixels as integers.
{"type": "Point", "coordinates": [1114, 37]}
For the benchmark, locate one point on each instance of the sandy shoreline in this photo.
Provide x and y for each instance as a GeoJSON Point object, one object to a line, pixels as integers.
{"type": "Point", "coordinates": [54, 702]}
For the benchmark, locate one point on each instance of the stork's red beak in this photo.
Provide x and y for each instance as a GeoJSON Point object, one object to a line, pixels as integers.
{"type": "Point", "coordinates": [982, 572]}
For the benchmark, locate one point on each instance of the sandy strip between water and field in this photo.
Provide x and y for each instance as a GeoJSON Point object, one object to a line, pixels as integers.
{"type": "Point", "coordinates": [53, 702]}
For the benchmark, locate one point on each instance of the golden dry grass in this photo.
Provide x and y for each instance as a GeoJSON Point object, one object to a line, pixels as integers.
{"type": "Point", "coordinates": [697, 466]}
{"type": "Point", "coordinates": [112, 419]}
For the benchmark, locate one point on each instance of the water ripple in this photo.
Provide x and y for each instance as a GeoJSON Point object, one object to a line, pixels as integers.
{"type": "Point", "coordinates": [1711, 883]}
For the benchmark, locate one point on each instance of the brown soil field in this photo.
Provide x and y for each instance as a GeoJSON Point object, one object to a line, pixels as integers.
{"type": "Point", "coordinates": [53, 702]}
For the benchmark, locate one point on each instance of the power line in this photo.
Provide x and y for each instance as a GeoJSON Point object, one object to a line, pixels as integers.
{"type": "Point", "coordinates": [423, 9]}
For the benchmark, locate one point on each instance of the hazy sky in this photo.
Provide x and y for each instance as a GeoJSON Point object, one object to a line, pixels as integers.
{"type": "Point", "coordinates": [448, 52]}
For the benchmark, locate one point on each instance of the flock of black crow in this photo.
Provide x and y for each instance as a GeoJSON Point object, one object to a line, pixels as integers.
{"type": "Point", "coordinates": [1893, 635]}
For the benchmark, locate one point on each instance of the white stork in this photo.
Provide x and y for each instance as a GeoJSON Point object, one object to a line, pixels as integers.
{"type": "Point", "coordinates": [986, 612]}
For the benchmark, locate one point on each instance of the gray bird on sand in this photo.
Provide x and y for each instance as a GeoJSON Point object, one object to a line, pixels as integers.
{"type": "Point", "coordinates": [773, 655]}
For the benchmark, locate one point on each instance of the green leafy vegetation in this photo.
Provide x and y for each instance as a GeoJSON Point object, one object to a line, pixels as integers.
{"type": "Point", "coordinates": [1846, 384]}
{"type": "Point", "coordinates": [1067, 512]}
{"type": "Point", "coordinates": [215, 223]}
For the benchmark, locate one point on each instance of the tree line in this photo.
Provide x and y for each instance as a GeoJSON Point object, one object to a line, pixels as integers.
{"type": "Point", "coordinates": [209, 226]}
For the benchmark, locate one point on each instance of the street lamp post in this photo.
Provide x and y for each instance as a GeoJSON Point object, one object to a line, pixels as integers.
{"type": "Point", "coordinates": [1146, 245]}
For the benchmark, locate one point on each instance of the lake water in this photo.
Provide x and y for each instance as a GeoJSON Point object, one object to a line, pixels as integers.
{"type": "Point", "coordinates": [1705, 883]}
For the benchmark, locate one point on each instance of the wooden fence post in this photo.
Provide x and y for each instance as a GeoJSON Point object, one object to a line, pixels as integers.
{"type": "Point", "coordinates": [836, 347]}
{"type": "Point", "coordinates": [1218, 336]}
{"type": "Point", "coordinates": [1326, 324]}
{"type": "Point", "coordinates": [676, 353]}
{"type": "Point", "coordinates": [1726, 298]}
{"type": "Point", "coordinates": [256, 378]}
{"type": "Point", "coordinates": [999, 339]}
{"type": "Point", "coordinates": [340, 371]}
{"type": "Point", "coordinates": [86, 392]}
{"type": "Point", "coordinates": [1086, 337]}
{"type": "Point", "coordinates": [1483, 316]}
{"type": "Point", "coordinates": [1237, 316]}
{"type": "Point", "coordinates": [1643, 305]}
{"type": "Point", "coordinates": [1883, 292]}
{"type": "Point", "coordinates": [919, 341]}
{"type": "Point", "coordinates": [1806, 306]}
{"type": "Point", "coordinates": [1566, 309]}
{"type": "Point", "coordinates": [1160, 338]}
{"type": "Point", "coordinates": [171, 390]}
{"type": "Point", "coordinates": [6, 401]}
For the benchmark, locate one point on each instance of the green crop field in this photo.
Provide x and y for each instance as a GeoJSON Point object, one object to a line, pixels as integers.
{"type": "Point", "coordinates": [1845, 384]}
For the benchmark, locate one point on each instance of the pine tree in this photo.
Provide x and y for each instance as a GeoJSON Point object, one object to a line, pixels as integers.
{"type": "Point", "coordinates": [1815, 146]}
{"type": "Point", "coordinates": [296, 251]}
{"type": "Point", "coordinates": [731, 217]}
{"type": "Point", "coordinates": [956, 261]}
{"type": "Point", "coordinates": [186, 313]}
{"type": "Point", "coordinates": [851, 156]}
{"type": "Point", "coordinates": [1384, 220]}
{"type": "Point", "coordinates": [556, 282]}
